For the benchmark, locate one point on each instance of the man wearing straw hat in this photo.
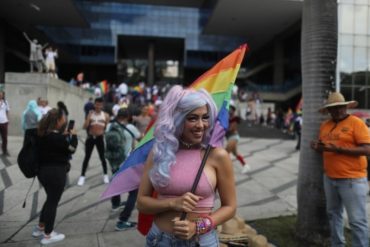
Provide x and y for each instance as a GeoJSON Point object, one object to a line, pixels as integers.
{"type": "Point", "coordinates": [344, 142]}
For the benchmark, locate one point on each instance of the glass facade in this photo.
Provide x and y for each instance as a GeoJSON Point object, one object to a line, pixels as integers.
{"type": "Point", "coordinates": [354, 50]}
{"type": "Point", "coordinates": [108, 20]}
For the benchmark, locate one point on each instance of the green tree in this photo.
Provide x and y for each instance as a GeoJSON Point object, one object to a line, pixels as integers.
{"type": "Point", "coordinates": [319, 52]}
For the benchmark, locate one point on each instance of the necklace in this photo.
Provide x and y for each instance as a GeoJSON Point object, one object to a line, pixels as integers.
{"type": "Point", "coordinates": [186, 145]}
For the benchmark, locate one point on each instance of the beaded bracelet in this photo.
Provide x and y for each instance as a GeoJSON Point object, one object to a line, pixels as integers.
{"type": "Point", "coordinates": [211, 222]}
{"type": "Point", "coordinates": [204, 225]}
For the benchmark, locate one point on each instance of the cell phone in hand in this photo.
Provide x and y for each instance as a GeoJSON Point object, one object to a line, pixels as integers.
{"type": "Point", "coordinates": [71, 124]}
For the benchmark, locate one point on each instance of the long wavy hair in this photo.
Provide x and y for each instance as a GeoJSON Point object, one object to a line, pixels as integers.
{"type": "Point", "coordinates": [50, 121]}
{"type": "Point", "coordinates": [178, 103]}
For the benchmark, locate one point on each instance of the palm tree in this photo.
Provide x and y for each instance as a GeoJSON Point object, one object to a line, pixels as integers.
{"type": "Point", "coordinates": [319, 52]}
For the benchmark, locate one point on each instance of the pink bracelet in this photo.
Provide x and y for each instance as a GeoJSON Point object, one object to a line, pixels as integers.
{"type": "Point", "coordinates": [211, 221]}
{"type": "Point", "coordinates": [204, 225]}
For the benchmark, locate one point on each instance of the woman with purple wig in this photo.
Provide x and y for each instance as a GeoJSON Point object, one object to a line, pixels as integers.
{"type": "Point", "coordinates": [183, 130]}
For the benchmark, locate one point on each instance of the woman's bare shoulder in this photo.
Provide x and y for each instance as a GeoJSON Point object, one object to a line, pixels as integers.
{"type": "Point", "coordinates": [219, 153]}
{"type": "Point", "coordinates": [220, 159]}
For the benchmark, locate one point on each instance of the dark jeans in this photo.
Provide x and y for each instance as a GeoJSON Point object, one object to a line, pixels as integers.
{"type": "Point", "coordinates": [4, 136]}
{"type": "Point", "coordinates": [91, 141]}
{"type": "Point", "coordinates": [129, 207]}
{"type": "Point", "coordinates": [116, 200]}
{"type": "Point", "coordinates": [53, 179]}
{"type": "Point", "coordinates": [298, 146]}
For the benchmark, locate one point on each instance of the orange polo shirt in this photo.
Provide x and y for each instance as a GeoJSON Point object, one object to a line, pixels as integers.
{"type": "Point", "coordinates": [347, 133]}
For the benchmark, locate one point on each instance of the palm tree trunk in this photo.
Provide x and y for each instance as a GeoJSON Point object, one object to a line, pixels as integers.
{"type": "Point", "coordinates": [319, 52]}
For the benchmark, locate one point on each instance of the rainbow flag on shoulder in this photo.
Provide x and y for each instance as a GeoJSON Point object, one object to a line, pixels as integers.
{"type": "Point", "coordinates": [218, 81]}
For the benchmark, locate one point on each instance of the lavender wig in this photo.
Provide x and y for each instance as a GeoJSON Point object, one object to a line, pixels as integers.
{"type": "Point", "coordinates": [170, 124]}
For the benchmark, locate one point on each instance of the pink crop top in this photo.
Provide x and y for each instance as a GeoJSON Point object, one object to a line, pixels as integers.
{"type": "Point", "coordinates": [182, 177]}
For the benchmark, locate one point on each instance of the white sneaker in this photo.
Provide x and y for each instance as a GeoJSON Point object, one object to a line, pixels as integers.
{"type": "Point", "coordinates": [106, 179]}
{"type": "Point", "coordinates": [246, 169]}
{"type": "Point", "coordinates": [52, 238]}
{"type": "Point", "coordinates": [81, 181]}
{"type": "Point", "coordinates": [37, 231]}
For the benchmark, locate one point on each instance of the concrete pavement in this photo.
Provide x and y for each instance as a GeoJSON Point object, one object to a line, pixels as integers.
{"type": "Point", "coordinates": [269, 190]}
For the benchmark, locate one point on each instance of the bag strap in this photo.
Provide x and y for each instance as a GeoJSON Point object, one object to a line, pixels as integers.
{"type": "Point", "coordinates": [29, 189]}
{"type": "Point", "coordinates": [129, 131]}
{"type": "Point", "coordinates": [199, 174]}
{"type": "Point", "coordinates": [125, 128]}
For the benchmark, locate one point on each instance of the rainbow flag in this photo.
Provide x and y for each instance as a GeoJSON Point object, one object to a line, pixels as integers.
{"type": "Point", "coordinates": [104, 87]}
{"type": "Point", "coordinates": [218, 81]}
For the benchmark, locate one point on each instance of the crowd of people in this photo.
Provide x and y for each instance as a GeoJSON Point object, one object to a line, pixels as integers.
{"type": "Point", "coordinates": [184, 119]}
{"type": "Point", "coordinates": [253, 111]}
{"type": "Point", "coordinates": [129, 119]}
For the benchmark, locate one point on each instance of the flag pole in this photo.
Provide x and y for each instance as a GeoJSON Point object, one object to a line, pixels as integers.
{"type": "Point", "coordinates": [199, 174]}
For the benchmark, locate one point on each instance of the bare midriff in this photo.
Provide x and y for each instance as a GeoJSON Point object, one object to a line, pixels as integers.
{"type": "Point", "coordinates": [164, 220]}
{"type": "Point", "coordinates": [96, 130]}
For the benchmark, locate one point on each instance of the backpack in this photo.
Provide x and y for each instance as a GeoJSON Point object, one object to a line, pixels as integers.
{"type": "Point", "coordinates": [115, 143]}
{"type": "Point", "coordinates": [28, 159]}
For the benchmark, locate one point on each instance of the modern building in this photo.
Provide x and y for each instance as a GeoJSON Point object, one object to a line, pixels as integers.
{"type": "Point", "coordinates": [353, 71]}
{"type": "Point", "coordinates": [175, 41]}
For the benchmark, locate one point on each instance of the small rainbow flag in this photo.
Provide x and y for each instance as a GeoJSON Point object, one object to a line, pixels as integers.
{"type": "Point", "coordinates": [104, 87]}
{"type": "Point", "coordinates": [218, 81]}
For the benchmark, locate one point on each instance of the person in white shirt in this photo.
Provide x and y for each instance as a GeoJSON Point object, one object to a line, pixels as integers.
{"type": "Point", "coordinates": [4, 121]}
{"type": "Point", "coordinates": [97, 92]}
{"type": "Point", "coordinates": [122, 89]}
{"type": "Point", "coordinates": [36, 58]}
{"type": "Point", "coordinates": [95, 124]}
{"type": "Point", "coordinates": [120, 104]}
{"type": "Point", "coordinates": [50, 61]}
{"type": "Point", "coordinates": [43, 106]}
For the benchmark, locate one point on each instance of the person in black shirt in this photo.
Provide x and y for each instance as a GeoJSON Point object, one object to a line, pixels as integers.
{"type": "Point", "coordinates": [55, 145]}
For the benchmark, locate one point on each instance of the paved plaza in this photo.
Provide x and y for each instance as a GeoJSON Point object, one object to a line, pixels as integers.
{"type": "Point", "coordinates": [269, 190]}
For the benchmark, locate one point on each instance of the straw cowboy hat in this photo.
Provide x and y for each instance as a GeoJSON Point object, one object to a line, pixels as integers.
{"type": "Point", "coordinates": [235, 230]}
{"type": "Point", "coordinates": [337, 99]}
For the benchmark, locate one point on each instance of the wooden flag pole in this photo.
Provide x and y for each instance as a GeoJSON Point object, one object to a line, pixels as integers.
{"type": "Point", "coordinates": [199, 174]}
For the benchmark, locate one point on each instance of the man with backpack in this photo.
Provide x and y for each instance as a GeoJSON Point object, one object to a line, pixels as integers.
{"type": "Point", "coordinates": [120, 141]}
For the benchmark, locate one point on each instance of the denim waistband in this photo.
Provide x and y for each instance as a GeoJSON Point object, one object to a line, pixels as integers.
{"type": "Point", "coordinates": [171, 238]}
{"type": "Point", "coordinates": [157, 231]}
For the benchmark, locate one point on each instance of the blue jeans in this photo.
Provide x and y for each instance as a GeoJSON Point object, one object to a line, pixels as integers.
{"type": "Point", "coordinates": [157, 238]}
{"type": "Point", "coordinates": [350, 194]}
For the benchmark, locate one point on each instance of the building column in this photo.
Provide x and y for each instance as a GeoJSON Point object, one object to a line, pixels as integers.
{"type": "Point", "coordinates": [151, 63]}
{"type": "Point", "coordinates": [2, 52]}
{"type": "Point", "coordinates": [278, 63]}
